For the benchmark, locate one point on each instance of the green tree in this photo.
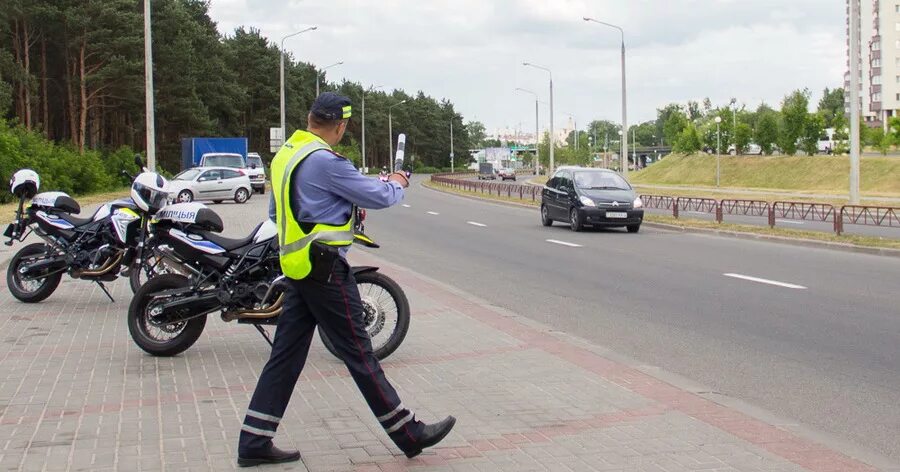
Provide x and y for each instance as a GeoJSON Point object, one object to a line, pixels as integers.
{"type": "Point", "coordinates": [689, 140]}
{"type": "Point", "coordinates": [477, 134]}
{"type": "Point", "coordinates": [742, 135]}
{"type": "Point", "coordinates": [831, 106]}
{"type": "Point", "coordinates": [813, 129]}
{"type": "Point", "coordinates": [794, 114]}
{"type": "Point", "coordinates": [674, 126]}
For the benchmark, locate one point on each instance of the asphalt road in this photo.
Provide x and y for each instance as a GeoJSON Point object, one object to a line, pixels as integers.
{"type": "Point", "coordinates": [827, 227]}
{"type": "Point", "coordinates": [816, 340]}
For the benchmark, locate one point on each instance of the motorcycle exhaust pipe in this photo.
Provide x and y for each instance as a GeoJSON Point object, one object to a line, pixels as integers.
{"type": "Point", "coordinates": [107, 268]}
{"type": "Point", "coordinates": [185, 309]}
{"type": "Point", "coordinates": [174, 262]}
{"type": "Point", "coordinates": [261, 314]}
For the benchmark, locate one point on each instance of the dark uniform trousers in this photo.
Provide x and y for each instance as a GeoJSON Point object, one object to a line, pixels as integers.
{"type": "Point", "coordinates": [334, 306]}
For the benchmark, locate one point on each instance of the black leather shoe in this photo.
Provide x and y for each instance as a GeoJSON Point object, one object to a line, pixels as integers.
{"type": "Point", "coordinates": [431, 435]}
{"type": "Point", "coordinates": [273, 455]}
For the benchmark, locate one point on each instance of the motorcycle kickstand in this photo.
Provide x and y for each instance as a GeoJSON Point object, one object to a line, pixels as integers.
{"type": "Point", "coordinates": [264, 334]}
{"type": "Point", "coordinates": [105, 291]}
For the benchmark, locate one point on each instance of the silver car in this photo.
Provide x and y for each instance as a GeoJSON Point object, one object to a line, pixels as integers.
{"type": "Point", "coordinates": [211, 183]}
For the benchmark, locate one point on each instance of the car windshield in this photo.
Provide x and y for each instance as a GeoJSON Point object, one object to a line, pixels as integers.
{"type": "Point", "coordinates": [600, 181]}
{"type": "Point", "coordinates": [189, 174]}
{"type": "Point", "coordinates": [253, 160]}
{"type": "Point", "coordinates": [234, 161]}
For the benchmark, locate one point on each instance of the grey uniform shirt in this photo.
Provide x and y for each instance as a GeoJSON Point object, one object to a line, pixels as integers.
{"type": "Point", "coordinates": [328, 188]}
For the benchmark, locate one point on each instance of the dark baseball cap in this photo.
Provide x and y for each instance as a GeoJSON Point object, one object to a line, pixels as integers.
{"type": "Point", "coordinates": [331, 106]}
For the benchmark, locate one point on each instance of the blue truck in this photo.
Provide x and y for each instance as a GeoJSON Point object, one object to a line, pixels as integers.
{"type": "Point", "coordinates": [193, 149]}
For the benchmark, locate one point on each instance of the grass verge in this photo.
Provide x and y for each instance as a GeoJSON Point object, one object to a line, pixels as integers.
{"type": "Point", "coordinates": [8, 210]}
{"type": "Point", "coordinates": [687, 223]}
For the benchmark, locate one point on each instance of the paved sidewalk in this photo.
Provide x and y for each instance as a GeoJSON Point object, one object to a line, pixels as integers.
{"type": "Point", "coordinates": [76, 394]}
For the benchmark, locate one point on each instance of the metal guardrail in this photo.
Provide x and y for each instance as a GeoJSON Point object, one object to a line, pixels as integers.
{"type": "Point", "coordinates": [862, 215]}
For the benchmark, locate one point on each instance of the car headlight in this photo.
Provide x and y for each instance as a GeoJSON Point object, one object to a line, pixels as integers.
{"type": "Point", "coordinates": [587, 202]}
{"type": "Point", "coordinates": [638, 203]}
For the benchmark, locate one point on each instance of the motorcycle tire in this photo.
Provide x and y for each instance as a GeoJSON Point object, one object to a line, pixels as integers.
{"type": "Point", "coordinates": [142, 273]}
{"type": "Point", "coordinates": [48, 284]}
{"type": "Point", "coordinates": [139, 326]}
{"type": "Point", "coordinates": [387, 347]}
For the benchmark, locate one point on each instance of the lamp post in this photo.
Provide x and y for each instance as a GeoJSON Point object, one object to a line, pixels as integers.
{"type": "Point", "coordinates": [718, 146]}
{"type": "Point", "coordinates": [452, 169]}
{"type": "Point", "coordinates": [537, 131]}
{"type": "Point", "coordinates": [318, 74]}
{"type": "Point", "coordinates": [624, 95]}
{"type": "Point", "coordinates": [634, 147]}
{"type": "Point", "coordinates": [283, 126]}
{"type": "Point", "coordinates": [854, 101]}
{"type": "Point", "coordinates": [391, 133]}
{"type": "Point", "coordinates": [624, 150]}
{"type": "Point", "coordinates": [148, 88]}
{"type": "Point", "coordinates": [364, 125]}
{"type": "Point", "coordinates": [552, 156]}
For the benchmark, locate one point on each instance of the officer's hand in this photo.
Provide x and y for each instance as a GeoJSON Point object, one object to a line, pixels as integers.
{"type": "Point", "coordinates": [400, 178]}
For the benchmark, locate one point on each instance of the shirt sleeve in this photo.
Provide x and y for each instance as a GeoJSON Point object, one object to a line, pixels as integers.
{"type": "Point", "coordinates": [272, 211]}
{"type": "Point", "coordinates": [365, 192]}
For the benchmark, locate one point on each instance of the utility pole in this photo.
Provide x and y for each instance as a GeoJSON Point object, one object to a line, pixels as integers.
{"type": "Point", "coordinates": [854, 102]}
{"type": "Point", "coordinates": [452, 168]}
{"type": "Point", "coordinates": [148, 88]}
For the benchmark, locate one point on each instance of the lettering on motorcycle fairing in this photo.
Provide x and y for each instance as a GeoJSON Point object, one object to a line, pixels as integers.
{"type": "Point", "coordinates": [47, 199]}
{"type": "Point", "coordinates": [176, 215]}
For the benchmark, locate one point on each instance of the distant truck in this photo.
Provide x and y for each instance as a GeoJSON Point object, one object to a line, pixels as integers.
{"type": "Point", "coordinates": [224, 149]}
{"type": "Point", "coordinates": [486, 171]}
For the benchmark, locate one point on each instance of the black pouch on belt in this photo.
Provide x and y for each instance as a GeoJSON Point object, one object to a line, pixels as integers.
{"type": "Point", "coordinates": [322, 257]}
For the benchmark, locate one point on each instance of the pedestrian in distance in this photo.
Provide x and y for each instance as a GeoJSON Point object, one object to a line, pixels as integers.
{"type": "Point", "coordinates": [315, 193]}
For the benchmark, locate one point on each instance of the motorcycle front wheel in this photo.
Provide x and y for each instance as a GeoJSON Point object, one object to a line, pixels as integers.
{"type": "Point", "coordinates": [385, 311]}
{"type": "Point", "coordinates": [162, 341]}
{"type": "Point", "coordinates": [30, 290]}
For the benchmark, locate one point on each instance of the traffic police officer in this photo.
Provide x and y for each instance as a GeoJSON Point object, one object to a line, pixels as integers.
{"type": "Point", "coordinates": [314, 191]}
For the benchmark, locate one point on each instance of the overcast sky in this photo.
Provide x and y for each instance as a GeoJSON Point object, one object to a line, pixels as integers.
{"type": "Point", "coordinates": [471, 51]}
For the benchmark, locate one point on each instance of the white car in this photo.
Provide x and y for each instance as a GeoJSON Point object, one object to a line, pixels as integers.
{"type": "Point", "coordinates": [211, 183]}
{"type": "Point", "coordinates": [750, 150]}
{"type": "Point", "coordinates": [257, 172]}
{"type": "Point", "coordinates": [223, 159]}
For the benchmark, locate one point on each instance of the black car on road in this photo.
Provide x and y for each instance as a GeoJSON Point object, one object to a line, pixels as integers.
{"type": "Point", "coordinates": [591, 197]}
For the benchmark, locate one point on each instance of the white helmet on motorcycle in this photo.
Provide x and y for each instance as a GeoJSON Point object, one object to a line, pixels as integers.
{"type": "Point", "coordinates": [25, 183]}
{"type": "Point", "coordinates": [150, 192]}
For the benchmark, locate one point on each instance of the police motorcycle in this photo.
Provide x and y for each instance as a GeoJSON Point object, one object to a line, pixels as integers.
{"type": "Point", "coordinates": [99, 248]}
{"type": "Point", "coordinates": [240, 279]}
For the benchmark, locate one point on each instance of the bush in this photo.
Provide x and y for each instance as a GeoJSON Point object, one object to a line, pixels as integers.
{"type": "Point", "coordinates": [61, 167]}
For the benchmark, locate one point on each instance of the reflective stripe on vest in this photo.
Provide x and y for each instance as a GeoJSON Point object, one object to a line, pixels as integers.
{"type": "Point", "coordinates": [293, 241]}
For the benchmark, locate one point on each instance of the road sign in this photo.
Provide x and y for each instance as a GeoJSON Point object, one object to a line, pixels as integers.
{"type": "Point", "coordinates": [276, 139]}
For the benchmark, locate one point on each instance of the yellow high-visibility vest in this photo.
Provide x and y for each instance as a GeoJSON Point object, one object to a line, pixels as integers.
{"type": "Point", "coordinates": [294, 242]}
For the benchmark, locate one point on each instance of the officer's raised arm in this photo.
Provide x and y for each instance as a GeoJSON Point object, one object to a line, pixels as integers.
{"type": "Point", "coordinates": [366, 192]}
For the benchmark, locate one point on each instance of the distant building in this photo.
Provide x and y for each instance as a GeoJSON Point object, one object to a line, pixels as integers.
{"type": "Point", "coordinates": [879, 61]}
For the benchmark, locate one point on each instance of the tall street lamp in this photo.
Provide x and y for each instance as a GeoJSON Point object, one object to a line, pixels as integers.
{"type": "Point", "coordinates": [537, 131]}
{"type": "Point", "coordinates": [552, 137]}
{"type": "Point", "coordinates": [319, 74]}
{"type": "Point", "coordinates": [718, 146]}
{"type": "Point", "coordinates": [364, 124]}
{"type": "Point", "coordinates": [624, 95]}
{"type": "Point", "coordinates": [283, 126]}
{"type": "Point", "coordinates": [391, 133]}
{"type": "Point", "coordinates": [148, 88]}
{"type": "Point", "coordinates": [452, 168]}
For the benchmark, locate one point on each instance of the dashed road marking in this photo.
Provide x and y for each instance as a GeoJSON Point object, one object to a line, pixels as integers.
{"type": "Point", "coordinates": [433, 213]}
{"type": "Point", "coordinates": [474, 223]}
{"type": "Point", "coordinates": [789, 222]}
{"type": "Point", "coordinates": [406, 206]}
{"type": "Point", "coordinates": [563, 243]}
{"type": "Point", "coordinates": [766, 281]}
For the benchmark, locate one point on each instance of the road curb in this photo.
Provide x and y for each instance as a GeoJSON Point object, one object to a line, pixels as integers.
{"type": "Point", "coordinates": [725, 233]}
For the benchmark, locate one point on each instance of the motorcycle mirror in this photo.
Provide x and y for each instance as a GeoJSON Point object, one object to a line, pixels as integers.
{"type": "Point", "coordinates": [138, 161]}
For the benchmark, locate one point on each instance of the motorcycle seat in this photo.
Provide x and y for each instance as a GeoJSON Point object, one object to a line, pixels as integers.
{"type": "Point", "coordinates": [74, 220]}
{"type": "Point", "coordinates": [229, 244]}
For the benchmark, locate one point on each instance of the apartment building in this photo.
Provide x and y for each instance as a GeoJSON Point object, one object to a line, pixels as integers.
{"type": "Point", "coordinates": [879, 60]}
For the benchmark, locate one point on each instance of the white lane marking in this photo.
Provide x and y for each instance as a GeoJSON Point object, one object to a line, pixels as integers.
{"type": "Point", "coordinates": [563, 243]}
{"type": "Point", "coordinates": [789, 222]}
{"type": "Point", "coordinates": [697, 212]}
{"type": "Point", "coordinates": [766, 281]}
{"type": "Point", "coordinates": [433, 213]}
{"type": "Point", "coordinates": [406, 206]}
{"type": "Point", "coordinates": [473, 223]}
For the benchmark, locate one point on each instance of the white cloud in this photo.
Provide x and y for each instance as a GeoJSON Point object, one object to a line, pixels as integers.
{"type": "Point", "coordinates": [470, 51]}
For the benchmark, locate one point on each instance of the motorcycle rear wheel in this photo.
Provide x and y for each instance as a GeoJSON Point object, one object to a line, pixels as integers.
{"type": "Point", "coordinates": [385, 310]}
{"type": "Point", "coordinates": [165, 341]}
{"type": "Point", "coordinates": [34, 290]}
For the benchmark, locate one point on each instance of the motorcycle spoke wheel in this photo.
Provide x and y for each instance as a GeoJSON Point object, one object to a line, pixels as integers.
{"type": "Point", "coordinates": [380, 313]}
{"type": "Point", "coordinates": [161, 333]}
{"type": "Point", "coordinates": [31, 284]}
